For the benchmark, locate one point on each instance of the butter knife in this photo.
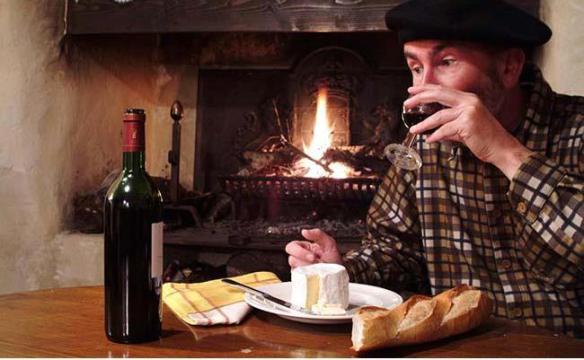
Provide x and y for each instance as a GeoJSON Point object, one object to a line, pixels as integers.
{"type": "Point", "coordinates": [266, 296]}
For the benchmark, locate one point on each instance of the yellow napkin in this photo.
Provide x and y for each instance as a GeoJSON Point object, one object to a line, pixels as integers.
{"type": "Point", "coordinates": [213, 302]}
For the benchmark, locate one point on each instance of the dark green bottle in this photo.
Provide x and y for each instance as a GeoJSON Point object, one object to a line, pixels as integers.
{"type": "Point", "coordinates": [133, 244]}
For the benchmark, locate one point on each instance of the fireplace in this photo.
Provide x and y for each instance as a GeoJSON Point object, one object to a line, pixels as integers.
{"type": "Point", "coordinates": [290, 135]}
{"type": "Point", "coordinates": [260, 67]}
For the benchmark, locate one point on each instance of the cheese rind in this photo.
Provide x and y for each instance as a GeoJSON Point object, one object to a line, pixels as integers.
{"type": "Point", "coordinates": [322, 288]}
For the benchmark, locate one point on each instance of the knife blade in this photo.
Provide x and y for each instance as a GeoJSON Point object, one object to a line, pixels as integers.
{"type": "Point", "coordinates": [266, 296]}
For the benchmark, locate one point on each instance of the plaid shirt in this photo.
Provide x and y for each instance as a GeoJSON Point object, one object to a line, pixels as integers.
{"type": "Point", "coordinates": [462, 221]}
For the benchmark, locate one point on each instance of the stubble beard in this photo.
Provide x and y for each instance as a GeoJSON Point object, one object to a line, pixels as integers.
{"type": "Point", "coordinates": [491, 91]}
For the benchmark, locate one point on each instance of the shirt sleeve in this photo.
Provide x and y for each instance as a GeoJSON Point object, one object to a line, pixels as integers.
{"type": "Point", "coordinates": [391, 254]}
{"type": "Point", "coordinates": [551, 202]}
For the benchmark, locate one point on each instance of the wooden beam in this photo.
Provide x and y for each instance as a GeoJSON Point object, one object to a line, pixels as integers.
{"type": "Point", "coordinates": [176, 16]}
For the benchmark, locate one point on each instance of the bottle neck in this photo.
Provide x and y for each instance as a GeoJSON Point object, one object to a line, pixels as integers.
{"type": "Point", "coordinates": [134, 161]}
{"type": "Point", "coordinates": [134, 143]}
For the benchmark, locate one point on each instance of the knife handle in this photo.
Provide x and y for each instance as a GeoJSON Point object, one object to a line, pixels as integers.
{"type": "Point", "coordinates": [244, 287]}
{"type": "Point", "coordinates": [266, 296]}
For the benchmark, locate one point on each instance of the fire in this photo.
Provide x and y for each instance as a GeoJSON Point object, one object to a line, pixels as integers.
{"type": "Point", "coordinates": [321, 141]}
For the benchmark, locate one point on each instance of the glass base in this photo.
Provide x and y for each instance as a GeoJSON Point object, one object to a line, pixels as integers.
{"type": "Point", "coordinates": [403, 157]}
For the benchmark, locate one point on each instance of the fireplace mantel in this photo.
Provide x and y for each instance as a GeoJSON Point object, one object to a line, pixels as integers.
{"type": "Point", "coordinates": [179, 16]}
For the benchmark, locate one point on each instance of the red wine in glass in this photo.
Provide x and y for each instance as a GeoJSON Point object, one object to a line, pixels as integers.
{"type": "Point", "coordinates": [419, 113]}
{"type": "Point", "coordinates": [403, 155]}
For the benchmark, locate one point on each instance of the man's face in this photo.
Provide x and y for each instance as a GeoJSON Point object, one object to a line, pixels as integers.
{"type": "Point", "coordinates": [459, 65]}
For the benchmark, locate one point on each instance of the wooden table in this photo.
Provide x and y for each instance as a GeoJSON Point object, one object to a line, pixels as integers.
{"type": "Point", "coordinates": [69, 322]}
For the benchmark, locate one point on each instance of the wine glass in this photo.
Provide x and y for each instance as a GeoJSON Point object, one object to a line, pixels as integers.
{"type": "Point", "coordinates": [403, 155]}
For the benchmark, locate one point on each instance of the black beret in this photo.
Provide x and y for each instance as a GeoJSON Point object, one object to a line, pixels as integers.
{"type": "Point", "coordinates": [486, 21]}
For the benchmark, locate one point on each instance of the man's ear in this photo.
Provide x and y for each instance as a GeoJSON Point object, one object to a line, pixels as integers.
{"type": "Point", "coordinates": [511, 63]}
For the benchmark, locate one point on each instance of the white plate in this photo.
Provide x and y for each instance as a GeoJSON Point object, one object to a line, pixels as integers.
{"type": "Point", "coordinates": [359, 295]}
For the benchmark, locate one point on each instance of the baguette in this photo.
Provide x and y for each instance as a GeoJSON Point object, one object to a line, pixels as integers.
{"type": "Point", "coordinates": [420, 319]}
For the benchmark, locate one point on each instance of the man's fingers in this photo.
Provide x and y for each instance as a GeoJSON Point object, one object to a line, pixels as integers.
{"type": "Point", "coordinates": [302, 253]}
{"type": "Point", "coordinates": [444, 96]}
{"type": "Point", "coordinates": [317, 247]}
{"type": "Point", "coordinates": [438, 119]}
{"type": "Point", "coordinates": [415, 89]}
{"type": "Point", "coordinates": [318, 236]}
{"type": "Point", "coordinates": [302, 250]}
{"type": "Point", "coordinates": [428, 93]}
{"type": "Point", "coordinates": [447, 132]}
{"type": "Point", "coordinates": [295, 262]}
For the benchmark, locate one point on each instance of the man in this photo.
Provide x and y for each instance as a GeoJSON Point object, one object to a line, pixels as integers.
{"type": "Point", "coordinates": [506, 213]}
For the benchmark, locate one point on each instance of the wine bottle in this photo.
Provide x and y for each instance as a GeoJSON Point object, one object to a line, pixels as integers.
{"type": "Point", "coordinates": [133, 244]}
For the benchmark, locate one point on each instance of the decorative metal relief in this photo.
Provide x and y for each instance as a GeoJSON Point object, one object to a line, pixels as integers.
{"type": "Point", "coordinates": [340, 72]}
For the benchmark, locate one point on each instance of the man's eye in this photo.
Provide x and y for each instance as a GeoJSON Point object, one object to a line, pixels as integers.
{"type": "Point", "coordinates": [416, 70]}
{"type": "Point", "coordinates": [448, 62]}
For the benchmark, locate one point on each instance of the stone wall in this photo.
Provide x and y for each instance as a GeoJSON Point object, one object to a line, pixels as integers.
{"type": "Point", "coordinates": [562, 57]}
{"type": "Point", "coordinates": [61, 102]}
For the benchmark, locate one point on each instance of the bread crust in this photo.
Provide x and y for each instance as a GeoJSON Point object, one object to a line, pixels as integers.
{"type": "Point", "coordinates": [472, 313]}
{"type": "Point", "coordinates": [420, 319]}
{"type": "Point", "coordinates": [376, 324]}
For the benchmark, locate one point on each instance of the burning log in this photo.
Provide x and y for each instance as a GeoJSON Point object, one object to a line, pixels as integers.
{"type": "Point", "coordinates": [358, 158]}
{"type": "Point", "coordinates": [284, 141]}
{"type": "Point", "coordinates": [260, 160]}
{"type": "Point", "coordinates": [277, 156]}
{"type": "Point", "coordinates": [305, 155]}
{"type": "Point", "coordinates": [267, 163]}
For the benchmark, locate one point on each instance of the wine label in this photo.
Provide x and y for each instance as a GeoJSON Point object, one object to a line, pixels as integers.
{"type": "Point", "coordinates": [133, 136]}
{"type": "Point", "coordinates": [157, 258]}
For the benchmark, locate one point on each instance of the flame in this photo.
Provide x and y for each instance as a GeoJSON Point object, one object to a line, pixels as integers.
{"type": "Point", "coordinates": [321, 141]}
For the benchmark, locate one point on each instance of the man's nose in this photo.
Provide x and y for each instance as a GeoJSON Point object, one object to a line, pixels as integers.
{"type": "Point", "coordinates": [428, 77]}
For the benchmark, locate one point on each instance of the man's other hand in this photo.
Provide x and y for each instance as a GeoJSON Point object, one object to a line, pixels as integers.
{"type": "Point", "coordinates": [318, 247]}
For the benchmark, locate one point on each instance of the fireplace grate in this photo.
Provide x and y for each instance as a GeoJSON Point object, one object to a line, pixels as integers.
{"type": "Point", "coordinates": [301, 188]}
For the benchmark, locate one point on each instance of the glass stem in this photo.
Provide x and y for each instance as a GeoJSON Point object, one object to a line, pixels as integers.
{"type": "Point", "coordinates": [409, 140]}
